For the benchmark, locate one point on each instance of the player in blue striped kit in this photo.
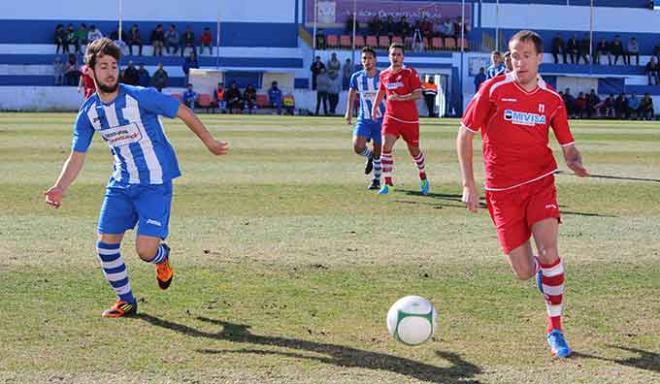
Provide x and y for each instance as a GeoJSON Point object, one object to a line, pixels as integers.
{"type": "Point", "coordinates": [140, 188]}
{"type": "Point", "coordinates": [365, 84]}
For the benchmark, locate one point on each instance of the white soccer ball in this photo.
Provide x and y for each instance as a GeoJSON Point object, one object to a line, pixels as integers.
{"type": "Point", "coordinates": [412, 320]}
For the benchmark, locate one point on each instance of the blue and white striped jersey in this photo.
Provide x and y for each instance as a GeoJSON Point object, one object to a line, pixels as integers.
{"type": "Point", "coordinates": [367, 87]}
{"type": "Point", "coordinates": [495, 70]}
{"type": "Point", "coordinates": [131, 127]}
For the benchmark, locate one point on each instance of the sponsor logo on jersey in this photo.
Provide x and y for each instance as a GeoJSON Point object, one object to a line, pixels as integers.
{"type": "Point", "coordinates": [394, 85]}
{"type": "Point", "coordinates": [509, 99]}
{"type": "Point", "coordinates": [122, 135]}
{"type": "Point", "coordinates": [523, 118]}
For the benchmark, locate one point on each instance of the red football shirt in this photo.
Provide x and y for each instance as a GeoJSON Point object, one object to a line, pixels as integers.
{"type": "Point", "coordinates": [88, 82]}
{"type": "Point", "coordinates": [402, 82]}
{"type": "Point", "coordinates": [514, 127]}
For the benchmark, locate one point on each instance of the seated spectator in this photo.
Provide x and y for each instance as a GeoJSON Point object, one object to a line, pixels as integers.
{"type": "Point", "coordinates": [558, 47]}
{"type": "Point", "coordinates": [646, 108]}
{"type": "Point", "coordinates": [616, 49]}
{"type": "Point", "coordinates": [584, 47]}
{"type": "Point", "coordinates": [275, 97]}
{"type": "Point", "coordinates": [188, 40]}
{"type": "Point", "coordinates": [603, 48]}
{"type": "Point", "coordinates": [71, 71]}
{"type": "Point", "coordinates": [573, 48]}
{"type": "Point", "coordinates": [403, 28]}
{"type": "Point", "coordinates": [606, 107]}
{"type": "Point", "coordinates": [633, 50]}
{"type": "Point", "coordinates": [172, 40]}
{"type": "Point", "coordinates": [633, 106]}
{"type": "Point", "coordinates": [219, 97]}
{"type": "Point", "coordinates": [130, 75]}
{"type": "Point", "coordinates": [250, 96]}
{"type": "Point", "coordinates": [234, 98]}
{"type": "Point", "coordinates": [581, 106]}
{"type": "Point", "coordinates": [114, 36]}
{"type": "Point", "coordinates": [81, 36]}
{"type": "Point", "coordinates": [653, 71]}
{"type": "Point", "coordinates": [592, 101]}
{"type": "Point", "coordinates": [93, 34]}
{"type": "Point", "coordinates": [134, 38]}
{"type": "Point", "coordinates": [160, 77]}
{"type": "Point", "coordinates": [190, 62]}
{"type": "Point", "coordinates": [289, 104]}
{"type": "Point", "coordinates": [569, 101]}
{"type": "Point", "coordinates": [72, 39]}
{"type": "Point", "coordinates": [158, 40]}
{"type": "Point", "coordinates": [58, 70]}
{"type": "Point", "coordinates": [621, 106]}
{"type": "Point", "coordinates": [190, 97]}
{"type": "Point", "coordinates": [206, 41]}
{"type": "Point", "coordinates": [144, 80]}
{"type": "Point", "coordinates": [60, 39]}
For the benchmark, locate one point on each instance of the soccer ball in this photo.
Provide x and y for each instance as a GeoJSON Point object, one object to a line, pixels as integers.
{"type": "Point", "coordinates": [412, 320]}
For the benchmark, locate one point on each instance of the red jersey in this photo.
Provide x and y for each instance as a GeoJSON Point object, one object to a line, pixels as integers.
{"type": "Point", "coordinates": [88, 81]}
{"type": "Point", "coordinates": [514, 127]}
{"type": "Point", "coordinates": [403, 82]}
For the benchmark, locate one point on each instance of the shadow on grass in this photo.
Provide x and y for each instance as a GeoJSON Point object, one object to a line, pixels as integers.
{"type": "Point", "coordinates": [646, 360]}
{"type": "Point", "coordinates": [459, 372]}
{"type": "Point", "coordinates": [457, 199]}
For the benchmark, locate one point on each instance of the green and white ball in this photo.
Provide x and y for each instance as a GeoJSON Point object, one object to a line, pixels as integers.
{"type": "Point", "coordinates": [412, 320]}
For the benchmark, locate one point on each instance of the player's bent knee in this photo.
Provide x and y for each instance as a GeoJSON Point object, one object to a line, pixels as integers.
{"type": "Point", "coordinates": [359, 148]}
{"type": "Point", "coordinates": [146, 252]}
{"type": "Point", "coordinates": [110, 238]}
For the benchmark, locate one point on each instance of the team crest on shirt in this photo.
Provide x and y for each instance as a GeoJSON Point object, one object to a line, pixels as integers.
{"type": "Point", "coordinates": [523, 118]}
{"type": "Point", "coordinates": [541, 108]}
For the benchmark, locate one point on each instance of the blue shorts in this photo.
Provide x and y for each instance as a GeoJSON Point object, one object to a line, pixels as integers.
{"type": "Point", "coordinates": [369, 129]}
{"type": "Point", "coordinates": [146, 205]}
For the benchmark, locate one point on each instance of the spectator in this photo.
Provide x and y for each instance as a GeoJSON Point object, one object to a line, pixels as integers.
{"type": "Point", "coordinates": [479, 79]}
{"type": "Point", "coordinates": [81, 36]}
{"type": "Point", "coordinates": [584, 49]}
{"type": "Point", "coordinates": [158, 40]}
{"type": "Point", "coordinates": [188, 40]}
{"type": "Point", "coordinates": [234, 98]}
{"type": "Point", "coordinates": [581, 106]}
{"type": "Point", "coordinates": [403, 27]}
{"type": "Point", "coordinates": [316, 67]}
{"type": "Point", "coordinates": [558, 46]}
{"type": "Point", "coordinates": [144, 79]}
{"type": "Point", "coordinates": [633, 106]}
{"type": "Point", "coordinates": [71, 39]}
{"type": "Point", "coordinates": [334, 88]}
{"type": "Point", "coordinates": [275, 97]}
{"type": "Point", "coordinates": [188, 63]}
{"type": "Point", "coordinates": [606, 107]}
{"type": "Point", "coordinates": [130, 75]}
{"type": "Point", "coordinates": [389, 27]}
{"type": "Point", "coordinates": [334, 65]}
{"type": "Point", "coordinates": [134, 38]}
{"type": "Point", "coordinates": [121, 42]}
{"type": "Point", "coordinates": [646, 108]}
{"type": "Point", "coordinates": [633, 50]}
{"type": "Point", "coordinates": [592, 101]}
{"type": "Point", "coordinates": [653, 71]}
{"type": "Point", "coordinates": [322, 87]}
{"type": "Point", "coordinates": [58, 70]}
{"type": "Point", "coordinates": [93, 34]}
{"type": "Point", "coordinates": [190, 97]}
{"type": "Point", "coordinates": [172, 40]}
{"type": "Point", "coordinates": [430, 91]}
{"type": "Point", "coordinates": [320, 39]}
{"type": "Point", "coordinates": [347, 71]}
{"type": "Point", "coordinates": [573, 48]}
{"type": "Point", "coordinates": [250, 96]}
{"type": "Point", "coordinates": [497, 65]}
{"type": "Point", "coordinates": [507, 62]}
{"type": "Point", "coordinates": [569, 101]}
{"type": "Point", "coordinates": [348, 26]}
{"type": "Point", "coordinates": [206, 41]}
{"type": "Point", "coordinates": [219, 97]}
{"type": "Point", "coordinates": [160, 77]}
{"type": "Point", "coordinates": [616, 49]}
{"type": "Point", "coordinates": [60, 39]}
{"type": "Point", "coordinates": [621, 106]}
{"type": "Point", "coordinates": [71, 72]}
{"type": "Point", "coordinates": [603, 48]}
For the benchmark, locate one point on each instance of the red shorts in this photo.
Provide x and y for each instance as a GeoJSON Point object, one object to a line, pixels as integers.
{"type": "Point", "coordinates": [515, 210]}
{"type": "Point", "coordinates": [408, 131]}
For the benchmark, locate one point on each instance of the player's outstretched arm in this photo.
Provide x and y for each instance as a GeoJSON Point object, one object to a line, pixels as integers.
{"type": "Point", "coordinates": [216, 147]}
{"type": "Point", "coordinates": [70, 171]}
{"type": "Point", "coordinates": [375, 111]}
{"type": "Point", "coordinates": [464, 149]}
{"type": "Point", "coordinates": [574, 160]}
{"type": "Point", "coordinates": [349, 106]}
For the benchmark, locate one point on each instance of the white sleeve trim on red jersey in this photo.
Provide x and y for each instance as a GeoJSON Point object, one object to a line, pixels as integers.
{"type": "Point", "coordinates": [507, 79]}
{"type": "Point", "coordinates": [568, 144]}
{"type": "Point", "coordinates": [469, 130]}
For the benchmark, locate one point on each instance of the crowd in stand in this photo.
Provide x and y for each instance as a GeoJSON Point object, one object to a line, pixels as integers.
{"type": "Point", "coordinates": [590, 105]}
{"type": "Point", "coordinates": [233, 100]}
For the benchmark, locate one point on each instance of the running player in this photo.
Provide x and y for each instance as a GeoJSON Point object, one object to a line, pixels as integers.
{"type": "Point", "coordinates": [403, 88]}
{"type": "Point", "coordinates": [514, 113]}
{"type": "Point", "coordinates": [365, 83]}
{"type": "Point", "coordinates": [140, 189]}
{"type": "Point", "coordinates": [86, 83]}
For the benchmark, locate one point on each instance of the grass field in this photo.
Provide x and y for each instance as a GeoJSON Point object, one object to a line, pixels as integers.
{"type": "Point", "coordinates": [286, 265]}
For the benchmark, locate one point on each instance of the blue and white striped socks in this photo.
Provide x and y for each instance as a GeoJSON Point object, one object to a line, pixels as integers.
{"type": "Point", "coordinates": [378, 168]}
{"type": "Point", "coordinates": [114, 270]}
{"type": "Point", "coordinates": [161, 254]}
{"type": "Point", "coordinates": [366, 152]}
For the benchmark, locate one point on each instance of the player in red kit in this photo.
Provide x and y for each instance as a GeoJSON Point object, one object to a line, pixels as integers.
{"type": "Point", "coordinates": [514, 112]}
{"type": "Point", "coordinates": [86, 83]}
{"type": "Point", "coordinates": [402, 87]}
